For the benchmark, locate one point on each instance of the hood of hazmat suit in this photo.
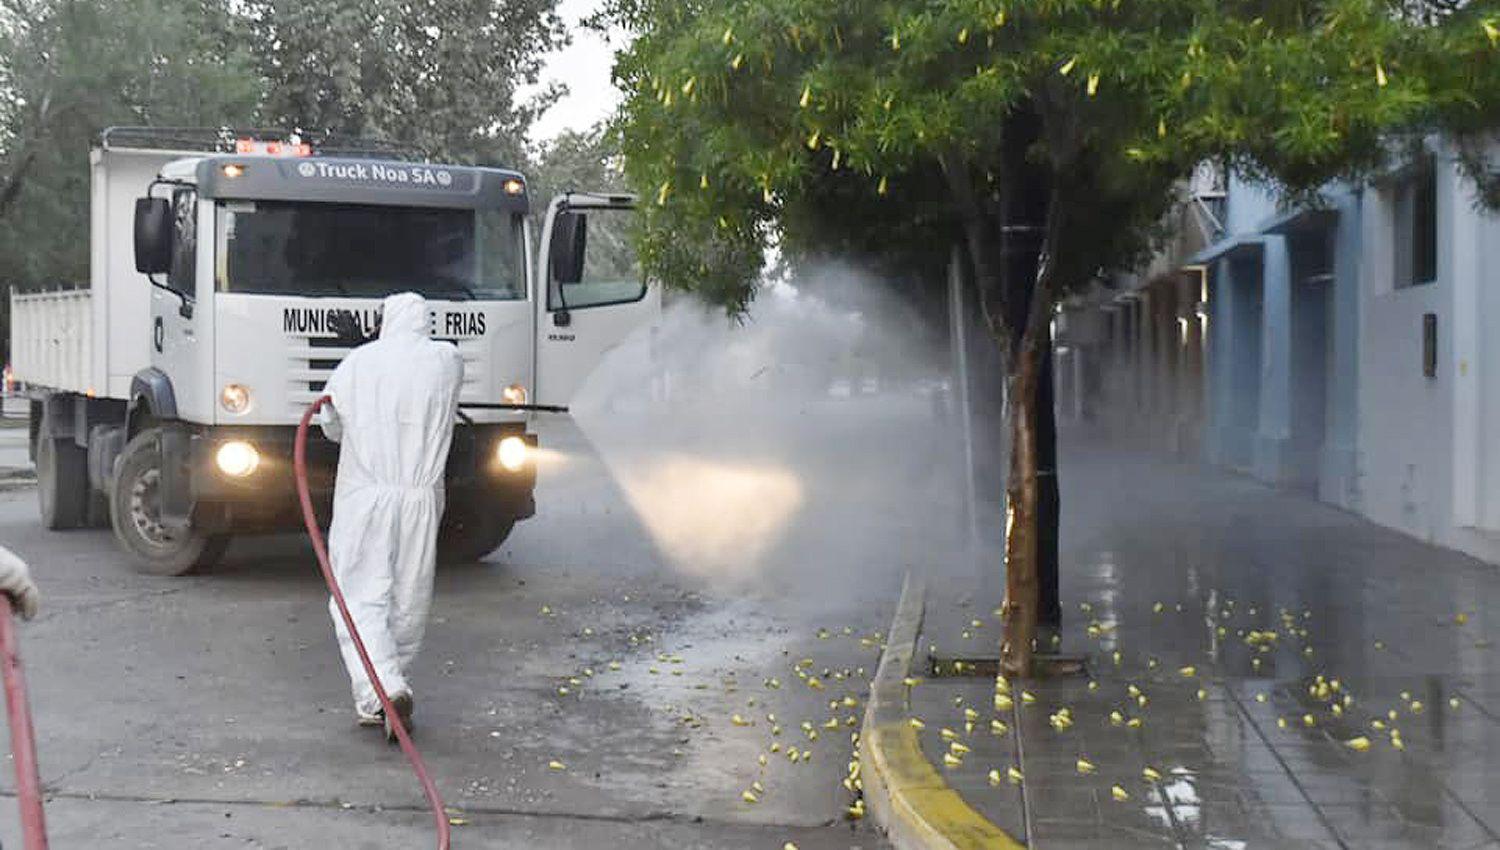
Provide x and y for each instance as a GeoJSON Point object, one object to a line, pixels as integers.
{"type": "Point", "coordinates": [393, 405]}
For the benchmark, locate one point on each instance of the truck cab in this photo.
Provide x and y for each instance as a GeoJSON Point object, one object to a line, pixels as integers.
{"type": "Point", "coordinates": [230, 284]}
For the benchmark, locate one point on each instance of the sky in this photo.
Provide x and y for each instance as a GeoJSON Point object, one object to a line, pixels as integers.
{"type": "Point", "coordinates": [584, 67]}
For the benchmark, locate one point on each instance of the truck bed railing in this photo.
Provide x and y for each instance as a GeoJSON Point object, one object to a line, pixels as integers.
{"type": "Point", "coordinates": [223, 139]}
{"type": "Point", "coordinates": [52, 338]}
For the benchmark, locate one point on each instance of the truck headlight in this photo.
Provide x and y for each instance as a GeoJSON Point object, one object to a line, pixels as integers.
{"type": "Point", "coordinates": [514, 394]}
{"type": "Point", "coordinates": [237, 459]}
{"type": "Point", "coordinates": [235, 398]}
{"type": "Point", "coordinates": [511, 453]}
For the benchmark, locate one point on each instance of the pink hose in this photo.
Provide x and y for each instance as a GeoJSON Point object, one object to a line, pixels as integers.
{"type": "Point", "coordinates": [22, 741]}
{"type": "Point", "coordinates": [419, 767]}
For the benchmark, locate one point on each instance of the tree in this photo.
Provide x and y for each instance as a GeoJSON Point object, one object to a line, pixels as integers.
{"type": "Point", "coordinates": [70, 68]}
{"type": "Point", "coordinates": [1046, 137]}
{"type": "Point", "coordinates": [441, 74]}
{"type": "Point", "coordinates": [586, 161]}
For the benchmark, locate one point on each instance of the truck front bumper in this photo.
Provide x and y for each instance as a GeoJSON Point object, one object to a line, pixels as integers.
{"type": "Point", "coordinates": [266, 498]}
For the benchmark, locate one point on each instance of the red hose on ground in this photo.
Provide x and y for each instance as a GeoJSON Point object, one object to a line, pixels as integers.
{"type": "Point", "coordinates": [419, 767]}
{"type": "Point", "coordinates": [22, 741]}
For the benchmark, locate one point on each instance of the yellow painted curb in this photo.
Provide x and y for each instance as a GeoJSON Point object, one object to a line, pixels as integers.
{"type": "Point", "coordinates": [906, 794]}
{"type": "Point", "coordinates": [932, 812]}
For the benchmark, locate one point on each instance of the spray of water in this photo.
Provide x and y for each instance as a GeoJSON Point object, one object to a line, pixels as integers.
{"type": "Point", "coordinates": [811, 442]}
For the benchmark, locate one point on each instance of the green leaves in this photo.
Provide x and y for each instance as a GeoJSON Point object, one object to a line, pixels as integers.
{"type": "Point", "coordinates": [801, 90]}
{"type": "Point", "coordinates": [69, 69]}
{"type": "Point", "coordinates": [443, 75]}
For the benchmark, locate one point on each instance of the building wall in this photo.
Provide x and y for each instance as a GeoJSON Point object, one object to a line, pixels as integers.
{"type": "Point", "coordinates": [1478, 367]}
{"type": "Point", "coordinates": [1236, 354]}
{"type": "Point", "coordinates": [1136, 346]}
{"type": "Point", "coordinates": [1273, 459]}
{"type": "Point", "coordinates": [1424, 463]}
{"type": "Point", "coordinates": [1338, 471]}
{"type": "Point", "coordinates": [1308, 372]}
{"type": "Point", "coordinates": [1249, 206]}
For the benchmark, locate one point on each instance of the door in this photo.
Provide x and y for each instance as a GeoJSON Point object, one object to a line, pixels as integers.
{"type": "Point", "coordinates": [178, 325]}
{"type": "Point", "coordinates": [591, 292]}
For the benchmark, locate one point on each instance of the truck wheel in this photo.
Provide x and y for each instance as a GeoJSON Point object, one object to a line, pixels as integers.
{"type": "Point", "coordinates": [468, 535]}
{"type": "Point", "coordinates": [135, 512]}
{"type": "Point", "coordinates": [62, 483]}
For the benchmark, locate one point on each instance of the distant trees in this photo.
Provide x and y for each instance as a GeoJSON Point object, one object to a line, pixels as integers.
{"type": "Point", "coordinates": [444, 75]}
{"type": "Point", "coordinates": [67, 69]}
{"type": "Point", "coordinates": [583, 160]}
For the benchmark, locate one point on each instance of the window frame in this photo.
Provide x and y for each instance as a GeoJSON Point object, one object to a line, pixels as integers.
{"type": "Point", "coordinates": [555, 289]}
{"type": "Point", "coordinates": [182, 275]}
{"type": "Point", "coordinates": [1415, 225]}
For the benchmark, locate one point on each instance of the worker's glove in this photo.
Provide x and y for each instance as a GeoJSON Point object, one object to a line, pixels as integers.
{"type": "Point", "coordinates": [15, 581]}
{"type": "Point", "coordinates": [347, 329]}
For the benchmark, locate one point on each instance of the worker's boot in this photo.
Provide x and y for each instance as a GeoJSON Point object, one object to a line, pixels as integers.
{"type": "Point", "coordinates": [404, 706]}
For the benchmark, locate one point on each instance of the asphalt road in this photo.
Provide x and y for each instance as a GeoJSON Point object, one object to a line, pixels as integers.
{"type": "Point", "coordinates": [211, 710]}
{"type": "Point", "coordinates": [14, 453]}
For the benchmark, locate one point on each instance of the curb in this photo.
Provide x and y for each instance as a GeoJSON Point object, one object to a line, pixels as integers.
{"type": "Point", "coordinates": [904, 792]}
{"type": "Point", "coordinates": [14, 478]}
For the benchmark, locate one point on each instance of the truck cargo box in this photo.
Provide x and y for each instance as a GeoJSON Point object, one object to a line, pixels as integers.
{"type": "Point", "coordinates": [93, 341]}
{"type": "Point", "coordinates": [51, 339]}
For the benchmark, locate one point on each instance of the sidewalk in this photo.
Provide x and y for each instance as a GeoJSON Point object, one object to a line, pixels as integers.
{"type": "Point", "coordinates": [1226, 602]}
{"type": "Point", "coordinates": [15, 457]}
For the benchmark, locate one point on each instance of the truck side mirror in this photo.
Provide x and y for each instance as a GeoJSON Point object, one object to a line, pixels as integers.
{"type": "Point", "coordinates": [570, 236]}
{"type": "Point", "coordinates": [153, 235]}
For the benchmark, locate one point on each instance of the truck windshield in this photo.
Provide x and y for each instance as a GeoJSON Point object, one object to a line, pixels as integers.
{"type": "Point", "coordinates": [299, 248]}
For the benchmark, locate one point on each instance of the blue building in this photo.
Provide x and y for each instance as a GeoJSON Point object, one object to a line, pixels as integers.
{"type": "Point", "coordinates": [1338, 350]}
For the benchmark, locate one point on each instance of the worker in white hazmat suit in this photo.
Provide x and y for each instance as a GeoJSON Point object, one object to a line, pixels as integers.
{"type": "Point", "coordinates": [15, 582]}
{"type": "Point", "coordinates": [393, 405]}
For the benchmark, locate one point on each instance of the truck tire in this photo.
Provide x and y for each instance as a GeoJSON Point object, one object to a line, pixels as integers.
{"type": "Point", "coordinates": [135, 513]}
{"type": "Point", "coordinates": [468, 535]}
{"type": "Point", "coordinates": [62, 483]}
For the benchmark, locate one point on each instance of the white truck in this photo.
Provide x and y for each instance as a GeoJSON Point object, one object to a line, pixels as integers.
{"type": "Point", "coordinates": [228, 269]}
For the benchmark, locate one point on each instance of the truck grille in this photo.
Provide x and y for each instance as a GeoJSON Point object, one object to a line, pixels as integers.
{"type": "Point", "coordinates": [322, 364]}
{"type": "Point", "coordinates": [313, 359]}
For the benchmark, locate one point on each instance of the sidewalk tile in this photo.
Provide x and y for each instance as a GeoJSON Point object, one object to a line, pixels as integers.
{"type": "Point", "coordinates": [1283, 607]}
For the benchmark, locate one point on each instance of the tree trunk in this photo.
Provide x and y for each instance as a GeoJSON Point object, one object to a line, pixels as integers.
{"type": "Point", "coordinates": [1019, 610]}
{"type": "Point", "coordinates": [1015, 277]}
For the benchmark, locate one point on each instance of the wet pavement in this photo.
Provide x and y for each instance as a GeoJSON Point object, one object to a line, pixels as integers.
{"type": "Point", "coordinates": [1263, 671]}
{"type": "Point", "coordinates": [212, 710]}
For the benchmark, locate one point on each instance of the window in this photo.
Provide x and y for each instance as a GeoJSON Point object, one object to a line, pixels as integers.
{"type": "Point", "coordinates": [611, 269]}
{"type": "Point", "coordinates": [367, 251]}
{"type": "Point", "coordinates": [1415, 219]}
{"type": "Point", "coordinates": [1311, 255]}
{"type": "Point", "coordinates": [180, 276]}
